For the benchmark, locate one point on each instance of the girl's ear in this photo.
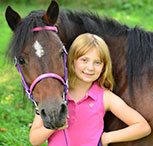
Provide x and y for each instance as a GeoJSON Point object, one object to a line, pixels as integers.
{"type": "Point", "coordinates": [12, 18]}
{"type": "Point", "coordinates": [52, 13]}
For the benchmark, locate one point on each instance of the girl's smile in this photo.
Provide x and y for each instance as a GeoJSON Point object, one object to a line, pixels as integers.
{"type": "Point", "coordinates": [89, 66]}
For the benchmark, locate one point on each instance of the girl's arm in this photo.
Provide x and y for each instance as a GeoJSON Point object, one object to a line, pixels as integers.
{"type": "Point", "coordinates": [137, 128]}
{"type": "Point", "coordinates": [38, 133]}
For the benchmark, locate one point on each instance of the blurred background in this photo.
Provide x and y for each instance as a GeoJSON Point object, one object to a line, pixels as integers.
{"type": "Point", "coordinates": [16, 111]}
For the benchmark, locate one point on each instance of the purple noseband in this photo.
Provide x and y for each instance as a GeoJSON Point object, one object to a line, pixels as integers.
{"type": "Point", "coordinates": [43, 76]}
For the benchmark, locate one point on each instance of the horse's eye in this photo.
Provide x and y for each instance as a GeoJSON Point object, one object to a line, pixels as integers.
{"type": "Point", "coordinates": [21, 60]}
{"type": "Point", "coordinates": [61, 52]}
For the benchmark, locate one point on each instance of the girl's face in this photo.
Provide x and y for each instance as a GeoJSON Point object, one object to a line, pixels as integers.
{"type": "Point", "coordinates": [88, 67]}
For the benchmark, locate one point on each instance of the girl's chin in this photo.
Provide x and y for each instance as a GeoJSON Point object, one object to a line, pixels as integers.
{"type": "Point", "coordinates": [87, 79]}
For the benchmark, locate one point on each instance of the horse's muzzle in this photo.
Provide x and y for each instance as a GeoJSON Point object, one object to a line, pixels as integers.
{"type": "Point", "coordinates": [54, 117]}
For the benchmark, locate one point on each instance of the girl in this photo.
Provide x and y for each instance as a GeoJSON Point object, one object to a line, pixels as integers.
{"type": "Point", "coordinates": [89, 97]}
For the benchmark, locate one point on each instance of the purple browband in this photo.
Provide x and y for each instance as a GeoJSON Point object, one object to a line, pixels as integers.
{"type": "Point", "coordinates": [52, 28]}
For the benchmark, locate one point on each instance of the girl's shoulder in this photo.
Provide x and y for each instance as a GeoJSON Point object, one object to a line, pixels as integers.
{"type": "Point", "coordinates": [111, 99]}
{"type": "Point", "coordinates": [106, 98]}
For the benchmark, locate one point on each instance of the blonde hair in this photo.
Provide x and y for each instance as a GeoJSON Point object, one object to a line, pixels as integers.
{"type": "Point", "coordinates": [81, 45]}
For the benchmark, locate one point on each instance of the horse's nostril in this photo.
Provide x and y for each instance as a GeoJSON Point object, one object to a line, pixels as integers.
{"type": "Point", "coordinates": [43, 114]}
{"type": "Point", "coordinates": [63, 109]}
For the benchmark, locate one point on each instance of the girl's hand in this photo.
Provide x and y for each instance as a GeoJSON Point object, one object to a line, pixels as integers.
{"type": "Point", "coordinates": [104, 139]}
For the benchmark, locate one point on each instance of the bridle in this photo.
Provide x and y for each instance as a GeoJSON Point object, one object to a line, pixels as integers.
{"type": "Point", "coordinates": [64, 81]}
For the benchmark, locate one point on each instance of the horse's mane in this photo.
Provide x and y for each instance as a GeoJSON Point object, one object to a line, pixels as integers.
{"type": "Point", "coordinates": [140, 54]}
{"type": "Point", "coordinates": [23, 33]}
{"type": "Point", "coordinates": [88, 22]}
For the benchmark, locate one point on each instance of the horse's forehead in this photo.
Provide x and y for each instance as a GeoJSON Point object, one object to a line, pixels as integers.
{"type": "Point", "coordinates": [48, 45]}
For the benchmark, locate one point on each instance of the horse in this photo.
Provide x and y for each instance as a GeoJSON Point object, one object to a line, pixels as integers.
{"type": "Point", "coordinates": [38, 49]}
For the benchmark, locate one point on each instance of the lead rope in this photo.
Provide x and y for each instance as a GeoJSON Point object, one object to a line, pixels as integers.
{"type": "Point", "coordinates": [66, 141]}
{"type": "Point", "coordinates": [65, 87]}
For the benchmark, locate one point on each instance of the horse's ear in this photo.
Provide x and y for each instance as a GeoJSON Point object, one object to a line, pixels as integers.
{"type": "Point", "coordinates": [12, 18]}
{"type": "Point", "coordinates": [52, 13]}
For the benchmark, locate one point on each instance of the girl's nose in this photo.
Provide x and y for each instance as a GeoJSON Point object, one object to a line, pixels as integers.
{"type": "Point", "coordinates": [90, 66]}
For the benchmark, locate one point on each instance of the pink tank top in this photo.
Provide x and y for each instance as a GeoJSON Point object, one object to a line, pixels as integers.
{"type": "Point", "coordinates": [85, 123]}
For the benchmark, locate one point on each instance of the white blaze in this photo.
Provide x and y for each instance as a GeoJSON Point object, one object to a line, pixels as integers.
{"type": "Point", "coordinates": [39, 49]}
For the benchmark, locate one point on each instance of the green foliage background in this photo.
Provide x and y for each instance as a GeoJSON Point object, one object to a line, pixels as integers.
{"type": "Point", "coordinates": [16, 111]}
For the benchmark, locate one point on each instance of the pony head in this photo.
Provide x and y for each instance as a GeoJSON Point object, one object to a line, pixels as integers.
{"type": "Point", "coordinates": [39, 59]}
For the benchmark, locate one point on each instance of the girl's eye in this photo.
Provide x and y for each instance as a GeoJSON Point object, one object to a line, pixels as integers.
{"type": "Point", "coordinates": [85, 60]}
{"type": "Point", "coordinates": [98, 62]}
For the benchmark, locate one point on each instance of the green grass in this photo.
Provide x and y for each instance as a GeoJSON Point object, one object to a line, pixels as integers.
{"type": "Point", "coordinates": [16, 112]}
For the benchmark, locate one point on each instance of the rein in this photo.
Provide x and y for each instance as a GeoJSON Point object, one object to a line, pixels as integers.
{"type": "Point", "coordinates": [30, 89]}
